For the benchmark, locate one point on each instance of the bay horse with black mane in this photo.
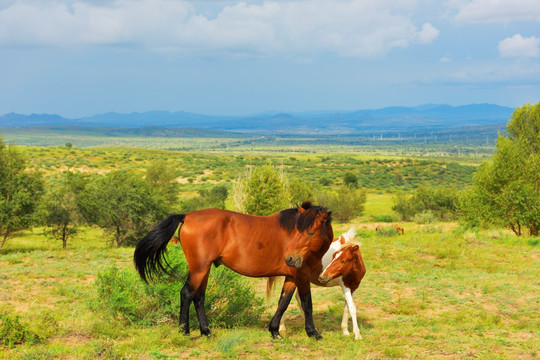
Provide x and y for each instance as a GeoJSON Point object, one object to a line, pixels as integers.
{"type": "Point", "coordinates": [290, 243]}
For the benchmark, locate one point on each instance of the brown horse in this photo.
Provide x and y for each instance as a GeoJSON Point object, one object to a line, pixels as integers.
{"type": "Point", "coordinates": [289, 243]}
{"type": "Point", "coordinates": [399, 229]}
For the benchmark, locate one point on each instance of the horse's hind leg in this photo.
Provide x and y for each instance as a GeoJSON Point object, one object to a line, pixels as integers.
{"type": "Point", "coordinates": [193, 291]}
{"type": "Point", "coordinates": [286, 295]}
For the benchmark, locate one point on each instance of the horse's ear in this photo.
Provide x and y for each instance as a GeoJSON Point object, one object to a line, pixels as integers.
{"type": "Point", "coordinates": [300, 209]}
{"type": "Point", "coordinates": [354, 249]}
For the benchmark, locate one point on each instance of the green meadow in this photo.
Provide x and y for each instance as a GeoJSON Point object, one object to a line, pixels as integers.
{"type": "Point", "coordinates": [440, 291]}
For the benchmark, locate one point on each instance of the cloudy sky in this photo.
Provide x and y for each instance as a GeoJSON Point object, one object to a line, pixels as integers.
{"type": "Point", "coordinates": [84, 57]}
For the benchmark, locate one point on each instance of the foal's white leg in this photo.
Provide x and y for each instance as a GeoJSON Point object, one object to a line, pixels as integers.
{"type": "Point", "coordinates": [345, 321]}
{"type": "Point", "coordinates": [352, 311]}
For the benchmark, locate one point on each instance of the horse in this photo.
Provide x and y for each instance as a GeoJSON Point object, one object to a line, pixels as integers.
{"type": "Point", "coordinates": [290, 243]}
{"type": "Point", "coordinates": [348, 277]}
{"type": "Point", "coordinates": [399, 229]}
{"type": "Point", "coordinates": [378, 228]}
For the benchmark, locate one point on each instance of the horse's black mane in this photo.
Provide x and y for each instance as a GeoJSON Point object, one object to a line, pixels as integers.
{"type": "Point", "coordinates": [291, 218]}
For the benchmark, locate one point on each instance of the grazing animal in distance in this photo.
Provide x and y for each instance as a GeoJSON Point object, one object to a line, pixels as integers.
{"type": "Point", "coordinates": [399, 229]}
{"type": "Point", "coordinates": [290, 243]}
{"type": "Point", "coordinates": [347, 273]}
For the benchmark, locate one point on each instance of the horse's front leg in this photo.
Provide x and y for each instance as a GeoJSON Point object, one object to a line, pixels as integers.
{"type": "Point", "coordinates": [285, 298]}
{"type": "Point", "coordinates": [352, 311]}
{"type": "Point", "coordinates": [304, 290]}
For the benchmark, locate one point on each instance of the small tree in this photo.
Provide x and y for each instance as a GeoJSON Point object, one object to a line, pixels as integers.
{"type": "Point", "coordinates": [350, 180]}
{"type": "Point", "coordinates": [346, 204]}
{"type": "Point", "coordinates": [59, 209]}
{"type": "Point", "coordinates": [123, 204]}
{"type": "Point", "coordinates": [20, 191]}
{"type": "Point", "coordinates": [162, 178]}
{"type": "Point", "coordinates": [263, 190]}
{"type": "Point", "coordinates": [506, 189]}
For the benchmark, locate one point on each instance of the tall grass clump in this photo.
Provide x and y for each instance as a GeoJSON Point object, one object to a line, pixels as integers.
{"type": "Point", "coordinates": [120, 294]}
{"type": "Point", "coordinates": [15, 332]}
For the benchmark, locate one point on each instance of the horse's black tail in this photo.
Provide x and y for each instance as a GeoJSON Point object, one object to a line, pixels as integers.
{"type": "Point", "coordinates": [148, 256]}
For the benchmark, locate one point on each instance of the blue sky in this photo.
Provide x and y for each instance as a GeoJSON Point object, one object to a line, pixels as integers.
{"type": "Point", "coordinates": [80, 57]}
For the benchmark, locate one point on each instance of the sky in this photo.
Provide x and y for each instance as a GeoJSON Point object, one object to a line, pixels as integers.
{"type": "Point", "coordinates": [79, 58]}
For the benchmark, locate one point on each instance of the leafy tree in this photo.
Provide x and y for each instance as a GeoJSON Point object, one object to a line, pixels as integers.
{"type": "Point", "coordinates": [213, 198]}
{"type": "Point", "coordinates": [506, 189]}
{"type": "Point", "coordinates": [123, 204]}
{"type": "Point", "coordinates": [59, 209]}
{"type": "Point", "coordinates": [20, 191]}
{"type": "Point", "coordinates": [300, 191]}
{"type": "Point", "coordinates": [263, 190]}
{"type": "Point", "coordinates": [350, 180]}
{"type": "Point", "coordinates": [438, 200]}
{"type": "Point", "coordinates": [162, 178]}
{"type": "Point", "coordinates": [346, 204]}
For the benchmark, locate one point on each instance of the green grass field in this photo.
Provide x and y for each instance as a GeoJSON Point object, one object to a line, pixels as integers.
{"type": "Point", "coordinates": [428, 294]}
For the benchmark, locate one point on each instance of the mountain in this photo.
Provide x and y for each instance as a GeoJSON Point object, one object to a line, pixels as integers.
{"type": "Point", "coordinates": [403, 119]}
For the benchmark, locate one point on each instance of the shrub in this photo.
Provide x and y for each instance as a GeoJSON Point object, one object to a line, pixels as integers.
{"type": "Point", "coordinates": [387, 231]}
{"type": "Point", "coordinates": [230, 300]}
{"type": "Point", "coordinates": [14, 332]}
{"type": "Point", "coordinates": [425, 217]}
{"type": "Point", "coordinates": [383, 218]}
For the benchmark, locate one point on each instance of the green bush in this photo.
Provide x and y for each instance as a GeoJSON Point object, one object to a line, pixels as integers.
{"type": "Point", "coordinates": [14, 332]}
{"type": "Point", "coordinates": [383, 218]}
{"type": "Point", "coordinates": [387, 231]}
{"type": "Point", "coordinates": [230, 300]}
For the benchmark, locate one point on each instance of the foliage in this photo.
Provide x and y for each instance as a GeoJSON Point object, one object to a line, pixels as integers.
{"type": "Point", "coordinates": [263, 190]}
{"type": "Point", "coordinates": [300, 191]}
{"type": "Point", "coordinates": [14, 332]}
{"type": "Point", "coordinates": [20, 191]}
{"type": "Point", "coordinates": [206, 198]}
{"type": "Point", "coordinates": [383, 218]}
{"type": "Point", "coordinates": [387, 231]}
{"type": "Point", "coordinates": [120, 293]}
{"type": "Point", "coordinates": [123, 204]}
{"type": "Point", "coordinates": [346, 204]}
{"type": "Point", "coordinates": [162, 178]}
{"type": "Point", "coordinates": [438, 200]}
{"type": "Point", "coordinates": [350, 179]}
{"type": "Point", "coordinates": [506, 189]}
{"type": "Point", "coordinates": [59, 209]}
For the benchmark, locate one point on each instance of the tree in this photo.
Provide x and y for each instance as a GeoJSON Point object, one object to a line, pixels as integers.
{"type": "Point", "coordinates": [346, 204]}
{"type": "Point", "coordinates": [263, 190]}
{"type": "Point", "coordinates": [350, 180]}
{"type": "Point", "coordinates": [123, 204]}
{"type": "Point", "coordinates": [59, 209]}
{"type": "Point", "coordinates": [438, 200]}
{"type": "Point", "coordinates": [20, 191]}
{"type": "Point", "coordinates": [213, 198]}
{"type": "Point", "coordinates": [506, 189]}
{"type": "Point", "coordinates": [162, 178]}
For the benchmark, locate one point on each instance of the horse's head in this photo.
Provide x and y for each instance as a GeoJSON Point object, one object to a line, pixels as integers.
{"type": "Point", "coordinates": [312, 232]}
{"type": "Point", "coordinates": [341, 264]}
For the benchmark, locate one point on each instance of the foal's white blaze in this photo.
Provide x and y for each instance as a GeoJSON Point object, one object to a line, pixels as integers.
{"type": "Point", "coordinates": [331, 262]}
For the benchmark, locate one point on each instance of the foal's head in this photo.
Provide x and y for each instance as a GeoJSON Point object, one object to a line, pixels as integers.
{"type": "Point", "coordinates": [342, 263]}
{"type": "Point", "coordinates": [311, 231]}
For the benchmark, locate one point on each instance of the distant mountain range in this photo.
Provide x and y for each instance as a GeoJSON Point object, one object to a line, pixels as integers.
{"type": "Point", "coordinates": [362, 122]}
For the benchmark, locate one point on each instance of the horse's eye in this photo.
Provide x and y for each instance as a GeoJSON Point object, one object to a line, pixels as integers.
{"type": "Point", "coordinates": [343, 262]}
{"type": "Point", "coordinates": [310, 233]}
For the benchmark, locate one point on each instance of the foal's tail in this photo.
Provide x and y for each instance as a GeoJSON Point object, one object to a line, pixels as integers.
{"type": "Point", "coordinates": [148, 256]}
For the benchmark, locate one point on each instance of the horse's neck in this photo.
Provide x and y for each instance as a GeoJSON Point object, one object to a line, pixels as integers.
{"type": "Point", "coordinates": [353, 278]}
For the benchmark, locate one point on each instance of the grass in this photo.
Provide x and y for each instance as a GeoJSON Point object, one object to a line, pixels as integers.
{"type": "Point", "coordinates": [425, 295]}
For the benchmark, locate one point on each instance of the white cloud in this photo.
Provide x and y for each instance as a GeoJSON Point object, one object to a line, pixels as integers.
{"type": "Point", "coordinates": [354, 28]}
{"type": "Point", "coordinates": [496, 11]}
{"type": "Point", "coordinates": [518, 46]}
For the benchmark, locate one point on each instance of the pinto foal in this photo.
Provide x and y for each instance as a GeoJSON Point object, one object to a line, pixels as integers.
{"type": "Point", "coordinates": [342, 265]}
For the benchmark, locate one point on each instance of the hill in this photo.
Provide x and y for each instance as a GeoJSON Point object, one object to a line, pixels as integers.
{"type": "Point", "coordinates": [362, 122]}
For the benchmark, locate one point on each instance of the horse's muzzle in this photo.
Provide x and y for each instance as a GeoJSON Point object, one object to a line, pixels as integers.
{"type": "Point", "coordinates": [324, 279]}
{"type": "Point", "coordinates": [295, 262]}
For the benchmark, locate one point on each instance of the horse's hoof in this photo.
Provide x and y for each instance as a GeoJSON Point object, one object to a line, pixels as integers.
{"type": "Point", "coordinates": [206, 332]}
{"type": "Point", "coordinates": [276, 336]}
